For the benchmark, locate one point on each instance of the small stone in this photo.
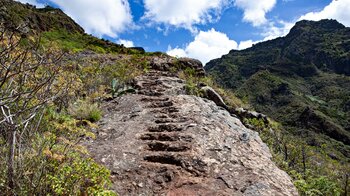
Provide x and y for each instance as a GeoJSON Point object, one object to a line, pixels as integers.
{"type": "Point", "coordinates": [140, 185]}
{"type": "Point", "coordinates": [102, 133]}
{"type": "Point", "coordinates": [192, 125]}
{"type": "Point", "coordinates": [244, 137]}
{"type": "Point", "coordinates": [206, 129]}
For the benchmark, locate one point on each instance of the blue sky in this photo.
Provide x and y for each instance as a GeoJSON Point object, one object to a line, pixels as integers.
{"type": "Point", "coordinates": [202, 29]}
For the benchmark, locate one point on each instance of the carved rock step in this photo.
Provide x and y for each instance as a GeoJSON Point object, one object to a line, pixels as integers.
{"type": "Point", "coordinates": [170, 119]}
{"type": "Point", "coordinates": [166, 120]}
{"type": "Point", "coordinates": [153, 99]}
{"type": "Point", "coordinates": [159, 73]}
{"type": "Point", "coordinates": [167, 110]}
{"type": "Point", "coordinates": [168, 146]}
{"type": "Point", "coordinates": [184, 160]}
{"type": "Point", "coordinates": [153, 90]}
{"type": "Point", "coordinates": [151, 93]}
{"type": "Point", "coordinates": [161, 104]}
{"type": "Point", "coordinates": [172, 136]}
{"type": "Point", "coordinates": [150, 84]}
{"type": "Point", "coordinates": [166, 128]}
{"type": "Point", "coordinates": [169, 116]}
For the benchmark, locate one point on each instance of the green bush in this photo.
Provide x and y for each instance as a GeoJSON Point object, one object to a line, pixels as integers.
{"type": "Point", "coordinates": [85, 110]}
{"type": "Point", "coordinates": [55, 163]}
{"type": "Point", "coordinates": [321, 186]}
{"type": "Point", "coordinates": [79, 176]}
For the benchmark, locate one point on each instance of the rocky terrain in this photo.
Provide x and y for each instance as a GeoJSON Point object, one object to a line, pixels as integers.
{"type": "Point", "coordinates": [161, 141]}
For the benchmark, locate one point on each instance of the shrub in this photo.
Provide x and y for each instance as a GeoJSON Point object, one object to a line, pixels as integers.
{"type": "Point", "coordinates": [318, 186]}
{"type": "Point", "coordinates": [85, 110]}
{"type": "Point", "coordinates": [79, 176]}
{"type": "Point", "coordinates": [55, 163]}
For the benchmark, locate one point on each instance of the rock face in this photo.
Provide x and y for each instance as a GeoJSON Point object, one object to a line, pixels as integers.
{"type": "Point", "coordinates": [161, 141]}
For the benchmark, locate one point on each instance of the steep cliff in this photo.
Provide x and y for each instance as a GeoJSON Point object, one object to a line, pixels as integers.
{"type": "Point", "coordinates": [161, 141]}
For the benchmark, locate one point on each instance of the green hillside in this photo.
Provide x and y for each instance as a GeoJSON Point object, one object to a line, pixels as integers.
{"type": "Point", "coordinates": [301, 80]}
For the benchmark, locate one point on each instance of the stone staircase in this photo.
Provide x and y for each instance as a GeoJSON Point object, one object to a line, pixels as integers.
{"type": "Point", "coordinates": [160, 141]}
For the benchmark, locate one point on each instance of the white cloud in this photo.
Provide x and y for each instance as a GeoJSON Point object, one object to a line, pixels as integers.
{"type": "Point", "coordinates": [177, 52]}
{"type": "Point", "coordinates": [207, 45]}
{"type": "Point", "coordinates": [183, 13]}
{"type": "Point", "coordinates": [109, 17]}
{"type": "Point", "coordinates": [255, 11]}
{"type": "Point", "coordinates": [32, 2]}
{"type": "Point", "coordinates": [337, 9]}
{"type": "Point", "coordinates": [246, 44]}
{"type": "Point", "coordinates": [126, 43]}
{"type": "Point", "coordinates": [276, 29]}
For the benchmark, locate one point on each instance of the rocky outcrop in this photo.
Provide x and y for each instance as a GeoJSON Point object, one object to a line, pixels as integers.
{"type": "Point", "coordinates": [212, 95]}
{"type": "Point", "coordinates": [241, 113]}
{"type": "Point", "coordinates": [168, 63]}
{"type": "Point", "coordinates": [161, 141]}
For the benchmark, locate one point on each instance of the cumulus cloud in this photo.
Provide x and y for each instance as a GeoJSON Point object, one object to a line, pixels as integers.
{"type": "Point", "coordinates": [246, 44]}
{"type": "Point", "coordinates": [337, 9]}
{"type": "Point", "coordinates": [276, 29]}
{"type": "Point", "coordinates": [32, 2]}
{"type": "Point", "coordinates": [183, 13]}
{"type": "Point", "coordinates": [126, 43]}
{"type": "Point", "coordinates": [255, 11]}
{"type": "Point", "coordinates": [207, 45]}
{"type": "Point", "coordinates": [109, 17]}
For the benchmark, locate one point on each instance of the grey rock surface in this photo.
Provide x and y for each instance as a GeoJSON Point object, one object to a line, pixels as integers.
{"type": "Point", "coordinates": [212, 95]}
{"type": "Point", "coordinates": [161, 141]}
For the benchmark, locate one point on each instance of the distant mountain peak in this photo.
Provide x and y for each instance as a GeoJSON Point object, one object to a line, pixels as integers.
{"type": "Point", "coordinates": [325, 25]}
{"type": "Point", "coordinates": [329, 24]}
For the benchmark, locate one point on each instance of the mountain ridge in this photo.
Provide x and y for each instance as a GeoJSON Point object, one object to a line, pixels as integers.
{"type": "Point", "coordinates": [302, 81]}
{"type": "Point", "coordinates": [305, 35]}
{"type": "Point", "coordinates": [15, 14]}
{"type": "Point", "coordinates": [279, 58]}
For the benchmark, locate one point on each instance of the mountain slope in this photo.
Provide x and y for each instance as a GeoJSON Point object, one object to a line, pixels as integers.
{"type": "Point", "coordinates": [308, 67]}
{"type": "Point", "coordinates": [301, 80]}
{"type": "Point", "coordinates": [14, 14]}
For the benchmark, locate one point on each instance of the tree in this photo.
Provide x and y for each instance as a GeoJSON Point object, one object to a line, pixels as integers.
{"type": "Point", "coordinates": [27, 74]}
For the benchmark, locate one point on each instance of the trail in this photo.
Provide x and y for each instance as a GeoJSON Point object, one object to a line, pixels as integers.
{"type": "Point", "coordinates": [160, 141]}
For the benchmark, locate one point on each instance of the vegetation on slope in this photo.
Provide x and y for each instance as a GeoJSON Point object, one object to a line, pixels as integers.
{"type": "Point", "coordinates": [302, 81]}
{"type": "Point", "coordinates": [53, 77]}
